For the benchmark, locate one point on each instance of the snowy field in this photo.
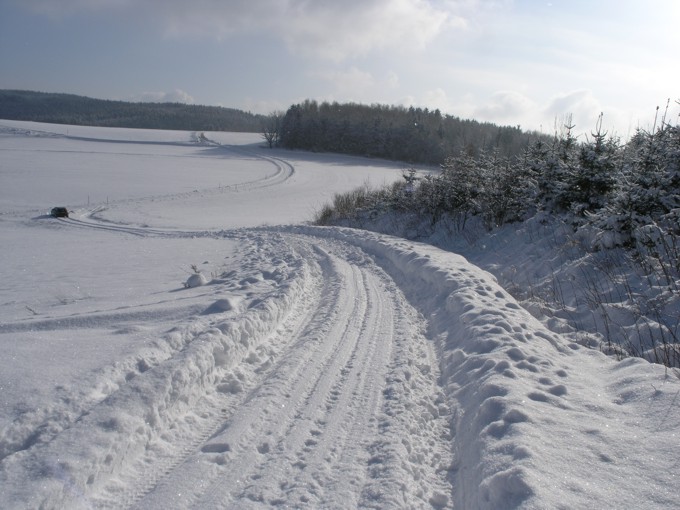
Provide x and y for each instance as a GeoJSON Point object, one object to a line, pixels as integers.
{"type": "Point", "coordinates": [185, 340]}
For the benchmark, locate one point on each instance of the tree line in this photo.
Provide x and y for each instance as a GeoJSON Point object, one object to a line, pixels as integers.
{"type": "Point", "coordinates": [628, 194]}
{"type": "Point", "coordinates": [413, 135]}
{"type": "Point", "coordinates": [80, 110]}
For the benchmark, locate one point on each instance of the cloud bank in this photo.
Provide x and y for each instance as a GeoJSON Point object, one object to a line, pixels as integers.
{"type": "Point", "coordinates": [323, 29]}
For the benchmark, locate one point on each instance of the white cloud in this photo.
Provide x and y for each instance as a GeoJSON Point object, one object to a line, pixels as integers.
{"type": "Point", "coordinates": [354, 84]}
{"type": "Point", "coordinates": [175, 96]}
{"type": "Point", "coordinates": [262, 107]}
{"type": "Point", "coordinates": [407, 101]}
{"type": "Point", "coordinates": [506, 106]}
{"type": "Point", "coordinates": [581, 105]}
{"type": "Point", "coordinates": [323, 28]}
{"type": "Point", "coordinates": [327, 29]}
{"type": "Point", "coordinates": [585, 107]}
{"type": "Point", "coordinates": [350, 83]}
{"type": "Point", "coordinates": [438, 99]}
{"type": "Point", "coordinates": [392, 80]}
{"type": "Point", "coordinates": [513, 108]}
{"type": "Point", "coordinates": [342, 29]}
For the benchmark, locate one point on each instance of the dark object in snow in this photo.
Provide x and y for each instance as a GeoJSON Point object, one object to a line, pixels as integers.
{"type": "Point", "coordinates": [59, 212]}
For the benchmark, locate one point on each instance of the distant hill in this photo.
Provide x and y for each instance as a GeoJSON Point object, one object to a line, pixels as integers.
{"type": "Point", "coordinates": [80, 110]}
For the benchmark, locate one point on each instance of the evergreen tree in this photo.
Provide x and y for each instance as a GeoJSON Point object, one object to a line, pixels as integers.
{"type": "Point", "coordinates": [556, 168]}
{"type": "Point", "coordinates": [595, 174]}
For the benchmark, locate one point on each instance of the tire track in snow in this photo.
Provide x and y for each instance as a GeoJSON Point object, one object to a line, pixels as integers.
{"type": "Point", "coordinates": [332, 404]}
{"type": "Point", "coordinates": [136, 231]}
{"type": "Point", "coordinates": [293, 439]}
{"type": "Point", "coordinates": [283, 171]}
{"type": "Point", "coordinates": [147, 407]}
{"type": "Point", "coordinates": [156, 469]}
{"type": "Point", "coordinates": [318, 451]}
{"type": "Point", "coordinates": [246, 439]}
{"type": "Point", "coordinates": [92, 221]}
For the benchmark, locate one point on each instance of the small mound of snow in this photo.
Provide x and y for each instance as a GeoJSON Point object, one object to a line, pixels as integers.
{"type": "Point", "coordinates": [195, 280]}
{"type": "Point", "coordinates": [221, 305]}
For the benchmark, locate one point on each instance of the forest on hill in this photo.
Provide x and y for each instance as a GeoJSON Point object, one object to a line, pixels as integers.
{"type": "Point", "coordinates": [413, 135]}
{"type": "Point", "coordinates": [85, 111]}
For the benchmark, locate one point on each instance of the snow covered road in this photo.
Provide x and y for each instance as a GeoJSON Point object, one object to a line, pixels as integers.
{"type": "Point", "coordinates": [290, 386]}
{"type": "Point", "coordinates": [307, 417]}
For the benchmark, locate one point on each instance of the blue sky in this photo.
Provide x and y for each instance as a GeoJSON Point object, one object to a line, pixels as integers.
{"type": "Point", "coordinates": [515, 62]}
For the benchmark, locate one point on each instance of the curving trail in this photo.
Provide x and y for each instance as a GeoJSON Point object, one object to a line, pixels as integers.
{"type": "Point", "coordinates": [308, 422]}
{"type": "Point", "coordinates": [281, 171]}
{"type": "Point", "coordinates": [302, 395]}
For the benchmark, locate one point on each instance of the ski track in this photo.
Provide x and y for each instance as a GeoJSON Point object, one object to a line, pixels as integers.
{"type": "Point", "coordinates": [93, 219]}
{"type": "Point", "coordinates": [282, 172]}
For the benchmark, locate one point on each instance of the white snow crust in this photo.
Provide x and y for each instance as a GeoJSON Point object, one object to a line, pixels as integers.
{"type": "Point", "coordinates": [310, 368]}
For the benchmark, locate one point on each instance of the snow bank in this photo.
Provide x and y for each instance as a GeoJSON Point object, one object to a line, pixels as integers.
{"type": "Point", "coordinates": [117, 430]}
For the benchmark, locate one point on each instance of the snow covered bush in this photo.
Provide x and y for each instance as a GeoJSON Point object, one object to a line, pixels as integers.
{"type": "Point", "coordinates": [195, 280]}
{"type": "Point", "coordinates": [555, 167]}
{"type": "Point", "coordinates": [365, 202]}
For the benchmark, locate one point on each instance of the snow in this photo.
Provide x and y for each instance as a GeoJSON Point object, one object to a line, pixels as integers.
{"type": "Point", "coordinates": [186, 340]}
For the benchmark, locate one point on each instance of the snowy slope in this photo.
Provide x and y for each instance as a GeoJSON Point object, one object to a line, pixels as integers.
{"type": "Point", "coordinates": [314, 368]}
